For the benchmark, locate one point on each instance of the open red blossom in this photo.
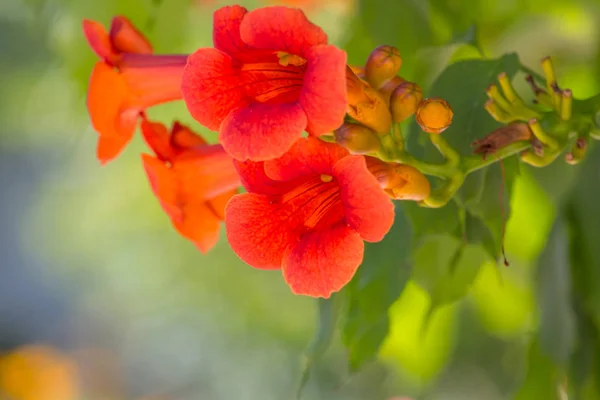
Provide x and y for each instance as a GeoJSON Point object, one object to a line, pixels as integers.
{"type": "Point", "coordinates": [128, 80]}
{"type": "Point", "coordinates": [270, 77]}
{"type": "Point", "coordinates": [308, 213]}
{"type": "Point", "coordinates": [192, 180]}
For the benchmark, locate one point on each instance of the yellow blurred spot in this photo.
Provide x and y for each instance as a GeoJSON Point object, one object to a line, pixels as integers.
{"type": "Point", "coordinates": [418, 352]}
{"type": "Point", "coordinates": [286, 59]}
{"type": "Point", "coordinates": [38, 373]}
{"type": "Point", "coordinates": [326, 178]}
{"type": "Point", "coordinates": [504, 306]}
{"type": "Point", "coordinates": [532, 215]}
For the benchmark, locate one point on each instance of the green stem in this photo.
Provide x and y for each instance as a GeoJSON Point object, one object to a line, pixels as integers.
{"type": "Point", "coordinates": [473, 163]}
{"type": "Point", "coordinates": [450, 154]}
{"type": "Point", "coordinates": [442, 195]}
{"type": "Point", "coordinates": [438, 170]}
{"type": "Point", "coordinates": [398, 137]}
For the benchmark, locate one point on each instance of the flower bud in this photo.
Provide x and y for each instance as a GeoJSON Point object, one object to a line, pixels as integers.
{"type": "Point", "coordinates": [382, 65]}
{"type": "Point", "coordinates": [577, 152]}
{"type": "Point", "coordinates": [365, 104]}
{"type": "Point", "coordinates": [434, 115]}
{"type": "Point", "coordinates": [404, 100]}
{"type": "Point", "coordinates": [386, 90]}
{"type": "Point", "coordinates": [399, 181]}
{"type": "Point", "coordinates": [357, 138]}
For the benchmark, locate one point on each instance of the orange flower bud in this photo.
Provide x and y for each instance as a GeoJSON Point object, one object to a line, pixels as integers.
{"type": "Point", "coordinates": [357, 138]}
{"type": "Point", "coordinates": [404, 100]}
{"type": "Point", "coordinates": [434, 115]}
{"type": "Point", "coordinates": [365, 104]}
{"type": "Point", "coordinates": [386, 90]}
{"type": "Point", "coordinates": [399, 181]}
{"type": "Point", "coordinates": [382, 65]}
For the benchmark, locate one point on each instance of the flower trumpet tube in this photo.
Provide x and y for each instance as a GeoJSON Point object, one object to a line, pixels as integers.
{"type": "Point", "coordinates": [270, 76]}
{"type": "Point", "coordinates": [192, 180]}
{"type": "Point", "coordinates": [128, 80]}
{"type": "Point", "coordinates": [308, 213]}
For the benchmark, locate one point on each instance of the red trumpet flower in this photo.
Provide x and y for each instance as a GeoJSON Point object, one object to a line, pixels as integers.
{"type": "Point", "coordinates": [128, 80]}
{"type": "Point", "coordinates": [192, 180]}
{"type": "Point", "coordinates": [270, 77]}
{"type": "Point", "coordinates": [308, 213]}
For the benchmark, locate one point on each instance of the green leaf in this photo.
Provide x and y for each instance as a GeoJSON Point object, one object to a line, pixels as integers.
{"type": "Point", "coordinates": [446, 267]}
{"type": "Point", "coordinates": [553, 278]}
{"type": "Point", "coordinates": [493, 207]}
{"type": "Point", "coordinates": [472, 189]}
{"type": "Point", "coordinates": [431, 221]}
{"type": "Point", "coordinates": [582, 210]}
{"type": "Point", "coordinates": [463, 85]}
{"type": "Point", "coordinates": [477, 232]}
{"type": "Point", "coordinates": [404, 24]}
{"type": "Point", "coordinates": [542, 378]}
{"type": "Point", "coordinates": [584, 368]}
{"type": "Point", "coordinates": [557, 179]}
{"type": "Point", "coordinates": [400, 23]}
{"type": "Point", "coordinates": [376, 285]}
{"type": "Point", "coordinates": [327, 320]}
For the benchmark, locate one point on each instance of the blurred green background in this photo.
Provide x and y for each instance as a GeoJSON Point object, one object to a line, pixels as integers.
{"type": "Point", "coordinates": [90, 265]}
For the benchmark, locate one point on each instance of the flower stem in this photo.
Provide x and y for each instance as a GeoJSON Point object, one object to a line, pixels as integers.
{"type": "Point", "coordinates": [473, 163]}
{"type": "Point", "coordinates": [450, 154]}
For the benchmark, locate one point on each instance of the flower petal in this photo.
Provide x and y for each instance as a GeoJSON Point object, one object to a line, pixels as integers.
{"type": "Point", "coordinates": [323, 261]}
{"type": "Point", "coordinates": [279, 28]}
{"type": "Point", "coordinates": [190, 214]}
{"type": "Point", "coordinates": [206, 171]}
{"type": "Point", "coordinates": [110, 147]}
{"type": "Point", "coordinates": [226, 36]}
{"type": "Point", "coordinates": [201, 226]}
{"type": "Point", "coordinates": [158, 139]}
{"type": "Point", "coordinates": [218, 203]}
{"type": "Point", "coordinates": [258, 231]}
{"type": "Point", "coordinates": [368, 210]}
{"type": "Point", "coordinates": [307, 156]}
{"type": "Point", "coordinates": [106, 94]}
{"type": "Point", "coordinates": [163, 184]}
{"type": "Point", "coordinates": [212, 87]}
{"type": "Point", "coordinates": [324, 95]}
{"type": "Point", "coordinates": [98, 39]}
{"type": "Point", "coordinates": [253, 177]}
{"type": "Point", "coordinates": [183, 137]}
{"type": "Point", "coordinates": [126, 38]}
{"type": "Point", "coordinates": [262, 131]}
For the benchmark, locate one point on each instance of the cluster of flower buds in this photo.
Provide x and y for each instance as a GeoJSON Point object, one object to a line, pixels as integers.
{"type": "Point", "coordinates": [311, 202]}
{"type": "Point", "coordinates": [554, 122]}
{"type": "Point", "coordinates": [378, 98]}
